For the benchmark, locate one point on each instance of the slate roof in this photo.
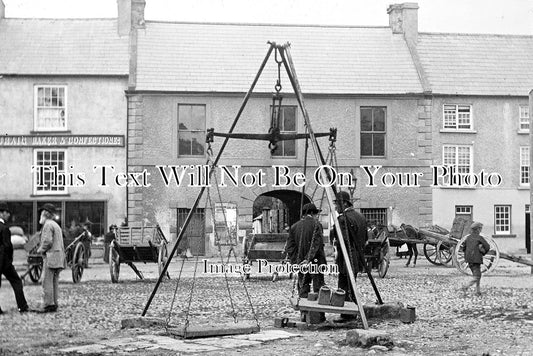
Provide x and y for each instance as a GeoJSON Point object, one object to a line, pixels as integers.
{"type": "Point", "coordinates": [470, 64]}
{"type": "Point", "coordinates": [225, 58]}
{"type": "Point", "coordinates": [62, 47]}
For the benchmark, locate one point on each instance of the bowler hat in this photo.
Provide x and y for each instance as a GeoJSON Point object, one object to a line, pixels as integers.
{"type": "Point", "coordinates": [4, 207]}
{"type": "Point", "coordinates": [476, 225]}
{"type": "Point", "coordinates": [344, 196]}
{"type": "Point", "coordinates": [50, 208]}
{"type": "Point", "coordinates": [310, 208]}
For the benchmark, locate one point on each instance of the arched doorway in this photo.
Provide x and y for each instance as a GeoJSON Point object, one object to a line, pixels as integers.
{"type": "Point", "coordinates": [277, 208]}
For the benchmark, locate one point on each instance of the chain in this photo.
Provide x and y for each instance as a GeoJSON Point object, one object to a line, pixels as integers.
{"type": "Point", "coordinates": [174, 297]}
{"type": "Point", "coordinates": [190, 299]}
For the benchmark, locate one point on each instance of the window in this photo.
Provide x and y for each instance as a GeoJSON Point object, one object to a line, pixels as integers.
{"type": "Point", "coordinates": [528, 208]}
{"type": "Point", "coordinates": [376, 216]}
{"type": "Point", "coordinates": [49, 171]}
{"type": "Point", "coordinates": [79, 212]}
{"type": "Point", "coordinates": [459, 157]}
{"type": "Point", "coordinates": [502, 219]}
{"type": "Point", "coordinates": [191, 130]}
{"type": "Point", "coordinates": [463, 210]}
{"type": "Point", "coordinates": [457, 117]}
{"type": "Point", "coordinates": [523, 118]}
{"type": "Point", "coordinates": [524, 165]}
{"type": "Point", "coordinates": [50, 107]}
{"type": "Point", "coordinates": [286, 124]}
{"type": "Point", "coordinates": [373, 131]}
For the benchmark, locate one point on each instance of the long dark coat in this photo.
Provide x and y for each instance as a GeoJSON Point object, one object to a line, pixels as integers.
{"type": "Point", "coordinates": [306, 241]}
{"type": "Point", "coordinates": [353, 227]}
{"type": "Point", "coordinates": [6, 247]}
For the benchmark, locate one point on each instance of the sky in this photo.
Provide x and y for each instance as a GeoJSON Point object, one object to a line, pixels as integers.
{"type": "Point", "coordinates": [463, 16]}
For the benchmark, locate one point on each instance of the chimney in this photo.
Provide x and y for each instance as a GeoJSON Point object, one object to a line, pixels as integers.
{"type": "Point", "coordinates": [130, 15]}
{"type": "Point", "coordinates": [137, 13]}
{"type": "Point", "coordinates": [403, 18]}
{"type": "Point", "coordinates": [2, 10]}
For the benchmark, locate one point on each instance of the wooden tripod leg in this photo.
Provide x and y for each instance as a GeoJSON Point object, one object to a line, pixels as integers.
{"type": "Point", "coordinates": [291, 73]}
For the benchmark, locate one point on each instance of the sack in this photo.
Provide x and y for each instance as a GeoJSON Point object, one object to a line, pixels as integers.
{"type": "Point", "coordinates": [482, 249]}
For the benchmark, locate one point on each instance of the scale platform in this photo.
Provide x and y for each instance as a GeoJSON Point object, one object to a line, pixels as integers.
{"type": "Point", "coordinates": [306, 305]}
{"type": "Point", "coordinates": [199, 331]}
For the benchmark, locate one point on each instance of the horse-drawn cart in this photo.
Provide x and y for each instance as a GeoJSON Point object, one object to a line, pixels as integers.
{"type": "Point", "coordinates": [137, 244]}
{"type": "Point", "coordinates": [377, 253]}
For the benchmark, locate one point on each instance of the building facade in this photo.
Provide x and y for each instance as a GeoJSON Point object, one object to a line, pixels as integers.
{"type": "Point", "coordinates": [63, 107]}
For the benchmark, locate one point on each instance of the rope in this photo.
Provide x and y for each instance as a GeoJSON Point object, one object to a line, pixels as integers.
{"type": "Point", "coordinates": [190, 299]}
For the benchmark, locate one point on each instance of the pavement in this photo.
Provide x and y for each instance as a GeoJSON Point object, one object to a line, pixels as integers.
{"type": "Point", "coordinates": [448, 322]}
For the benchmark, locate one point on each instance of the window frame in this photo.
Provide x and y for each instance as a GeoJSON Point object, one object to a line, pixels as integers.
{"type": "Point", "coordinates": [375, 214]}
{"type": "Point", "coordinates": [524, 167]}
{"type": "Point", "coordinates": [457, 118]}
{"type": "Point", "coordinates": [36, 107]}
{"type": "Point", "coordinates": [282, 143]}
{"type": "Point", "coordinates": [372, 132]}
{"type": "Point", "coordinates": [456, 165]}
{"type": "Point", "coordinates": [524, 118]}
{"type": "Point", "coordinates": [509, 218]}
{"type": "Point", "coordinates": [64, 191]}
{"type": "Point", "coordinates": [204, 130]}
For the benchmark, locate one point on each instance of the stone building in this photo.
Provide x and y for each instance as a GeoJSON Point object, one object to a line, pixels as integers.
{"type": "Point", "coordinates": [189, 77]}
{"type": "Point", "coordinates": [62, 84]}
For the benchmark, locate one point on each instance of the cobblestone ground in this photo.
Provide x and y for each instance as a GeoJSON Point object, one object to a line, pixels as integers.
{"type": "Point", "coordinates": [498, 323]}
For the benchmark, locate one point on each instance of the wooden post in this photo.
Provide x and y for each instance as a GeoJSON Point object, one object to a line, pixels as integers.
{"type": "Point", "coordinates": [530, 166]}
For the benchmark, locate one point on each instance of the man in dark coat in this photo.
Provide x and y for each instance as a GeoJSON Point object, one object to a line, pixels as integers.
{"type": "Point", "coordinates": [6, 260]}
{"type": "Point", "coordinates": [474, 248]}
{"type": "Point", "coordinates": [306, 245]}
{"type": "Point", "coordinates": [353, 226]}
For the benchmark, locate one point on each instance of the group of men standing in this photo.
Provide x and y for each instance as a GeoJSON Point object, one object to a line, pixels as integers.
{"type": "Point", "coordinates": [305, 244]}
{"type": "Point", "coordinates": [51, 247]}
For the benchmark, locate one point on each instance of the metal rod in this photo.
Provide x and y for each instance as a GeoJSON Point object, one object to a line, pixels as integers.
{"type": "Point", "coordinates": [287, 62]}
{"type": "Point", "coordinates": [197, 201]}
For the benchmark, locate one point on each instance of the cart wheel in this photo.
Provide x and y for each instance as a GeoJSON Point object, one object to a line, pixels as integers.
{"type": "Point", "coordinates": [430, 251]}
{"type": "Point", "coordinates": [490, 260]}
{"type": "Point", "coordinates": [114, 263]}
{"type": "Point", "coordinates": [35, 272]}
{"type": "Point", "coordinates": [384, 262]}
{"type": "Point", "coordinates": [444, 253]}
{"type": "Point", "coordinates": [77, 262]}
{"type": "Point", "coordinates": [162, 259]}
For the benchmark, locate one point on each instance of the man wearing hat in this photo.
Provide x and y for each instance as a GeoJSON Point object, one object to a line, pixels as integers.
{"type": "Point", "coordinates": [306, 245]}
{"type": "Point", "coordinates": [6, 260]}
{"type": "Point", "coordinates": [353, 226]}
{"type": "Point", "coordinates": [54, 256]}
{"type": "Point", "coordinates": [475, 247]}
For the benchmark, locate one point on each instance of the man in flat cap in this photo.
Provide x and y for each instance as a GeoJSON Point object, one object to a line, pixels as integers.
{"type": "Point", "coordinates": [353, 226]}
{"type": "Point", "coordinates": [475, 247]}
{"type": "Point", "coordinates": [6, 260]}
{"type": "Point", "coordinates": [54, 257]}
{"type": "Point", "coordinates": [306, 245]}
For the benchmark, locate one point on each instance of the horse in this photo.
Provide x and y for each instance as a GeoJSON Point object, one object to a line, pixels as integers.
{"type": "Point", "coordinates": [397, 237]}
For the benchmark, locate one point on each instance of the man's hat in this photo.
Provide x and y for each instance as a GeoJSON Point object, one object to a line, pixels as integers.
{"type": "Point", "coordinates": [476, 225]}
{"type": "Point", "coordinates": [50, 208]}
{"type": "Point", "coordinates": [4, 207]}
{"type": "Point", "coordinates": [310, 208]}
{"type": "Point", "coordinates": [344, 196]}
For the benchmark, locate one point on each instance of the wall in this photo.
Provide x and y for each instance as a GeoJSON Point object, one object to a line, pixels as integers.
{"type": "Point", "coordinates": [95, 106]}
{"type": "Point", "coordinates": [496, 142]}
{"type": "Point", "coordinates": [153, 141]}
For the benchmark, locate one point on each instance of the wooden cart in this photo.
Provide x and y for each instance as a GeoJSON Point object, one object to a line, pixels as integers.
{"type": "Point", "coordinates": [137, 244]}
{"type": "Point", "coordinates": [74, 253]}
{"type": "Point", "coordinates": [377, 253]}
{"type": "Point", "coordinates": [269, 247]}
